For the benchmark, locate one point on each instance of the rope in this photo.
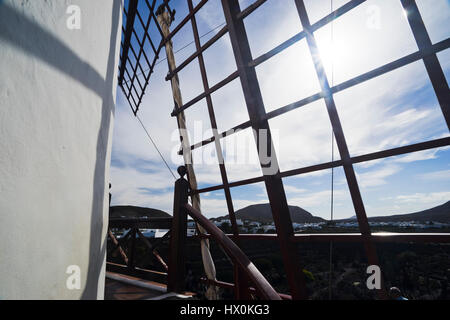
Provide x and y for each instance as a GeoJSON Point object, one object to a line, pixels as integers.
{"type": "Point", "coordinates": [156, 147]}
{"type": "Point", "coordinates": [208, 262]}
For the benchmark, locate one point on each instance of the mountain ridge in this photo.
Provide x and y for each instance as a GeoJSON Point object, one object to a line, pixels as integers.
{"type": "Point", "coordinates": [440, 213]}
{"type": "Point", "coordinates": [262, 213]}
{"type": "Point", "coordinates": [136, 212]}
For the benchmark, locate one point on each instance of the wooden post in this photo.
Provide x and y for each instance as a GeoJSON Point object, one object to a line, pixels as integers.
{"type": "Point", "coordinates": [132, 249]}
{"type": "Point", "coordinates": [241, 284]}
{"type": "Point", "coordinates": [164, 20]}
{"type": "Point", "coordinates": [177, 254]}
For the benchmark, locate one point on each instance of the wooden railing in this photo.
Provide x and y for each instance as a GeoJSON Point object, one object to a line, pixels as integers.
{"type": "Point", "coordinates": [248, 279]}
{"type": "Point", "coordinates": [247, 276]}
{"type": "Point", "coordinates": [128, 241]}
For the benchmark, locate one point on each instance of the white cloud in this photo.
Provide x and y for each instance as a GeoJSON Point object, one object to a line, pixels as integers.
{"type": "Point", "coordinates": [420, 155]}
{"type": "Point", "coordinates": [424, 198]}
{"type": "Point", "coordinates": [292, 189]}
{"type": "Point", "coordinates": [408, 203]}
{"type": "Point", "coordinates": [373, 115]}
{"type": "Point", "coordinates": [372, 163]}
{"type": "Point", "coordinates": [132, 187]}
{"type": "Point", "coordinates": [212, 208]}
{"type": "Point", "coordinates": [310, 199]}
{"type": "Point", "coordinates": [319, 203]}
{"type": "Point", "coordinates": [443, 175]}
{"type": "Point", "coordinates": [377, 177]}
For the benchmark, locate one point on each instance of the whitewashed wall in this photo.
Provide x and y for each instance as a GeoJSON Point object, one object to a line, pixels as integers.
{"type": "Point", "coordinates": [57, 97]}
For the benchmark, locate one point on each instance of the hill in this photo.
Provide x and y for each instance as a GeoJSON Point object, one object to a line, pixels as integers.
{"type": "Point", "coordinates": [135, 212]}
{"type": "Point", "coordinates": [263, 213]}
{"type": "Point", "coordinates": [439, 213]}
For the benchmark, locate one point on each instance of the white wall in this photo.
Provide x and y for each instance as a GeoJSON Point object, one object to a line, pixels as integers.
{"type": "Point", "coordinates": [57, 96]}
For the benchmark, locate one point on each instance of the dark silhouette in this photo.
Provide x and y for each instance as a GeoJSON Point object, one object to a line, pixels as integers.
{"type": "Point", "coordinates": [396, 294]}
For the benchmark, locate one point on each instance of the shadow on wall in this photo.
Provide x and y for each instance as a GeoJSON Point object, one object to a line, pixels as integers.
{"type": "Point", "coordinates": [85, 74]}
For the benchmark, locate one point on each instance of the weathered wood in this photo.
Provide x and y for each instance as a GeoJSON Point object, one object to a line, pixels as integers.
{"type": "Point", "coordinates": [160, 259]}
{"type": "Point", "coordinates": [144, 239]}
{"type": "Point", "coordinates": [120, 242]}
{"type": "Point", "coordinates": [177, 254]}
{"type": "Point", "coordinates": [241, 284]}
{"type": "Point", "coordinates": [152, 275]}
{"type": "Point", "coordinates": [164, 21]}
{"type": "Point", "coordinates": [152, 249]}
{"type": "Point", "coordinates": [228, 285]}
{"type": "Point", "coordinates": [263, 287]}
{"type": "Point", "coordinates": [132, 249]}
{"type": "Point", "coordinates": [117, 244]}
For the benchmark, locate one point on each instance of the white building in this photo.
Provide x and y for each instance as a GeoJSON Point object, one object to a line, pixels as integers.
{"type": "Point", "coordinates": [220, 222]}
{"type": "Point", "coordinates": [57, 89]}
{"type": "Point", "coordinates": [269, 227]}
{"type": "Point", "coordinates": [254, 224]}
{"type": "Point", "coordinates": [191, 232]}
{"type": "Point", "coordinates": [296, 225]}
{"type": "Point", "coordinates": [191, 224]}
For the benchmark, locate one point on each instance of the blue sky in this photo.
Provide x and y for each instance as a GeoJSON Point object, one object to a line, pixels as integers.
{"type": "Point", "coordinates": [395, 109]}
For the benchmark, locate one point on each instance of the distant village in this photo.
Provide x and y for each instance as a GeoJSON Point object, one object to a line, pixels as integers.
{"type": "Point", "coordinates": [248, 226]}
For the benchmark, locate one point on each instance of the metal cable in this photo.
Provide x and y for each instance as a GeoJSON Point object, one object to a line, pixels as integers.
{"type": "Point", "coordinates": [156, 147]}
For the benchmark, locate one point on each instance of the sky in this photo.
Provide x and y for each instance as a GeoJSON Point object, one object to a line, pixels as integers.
{"type": "Point", "coordinates": [396, 109]}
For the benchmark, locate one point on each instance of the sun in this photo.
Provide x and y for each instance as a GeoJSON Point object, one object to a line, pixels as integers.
{"type": "Point", "coordinates": [332, 55]}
